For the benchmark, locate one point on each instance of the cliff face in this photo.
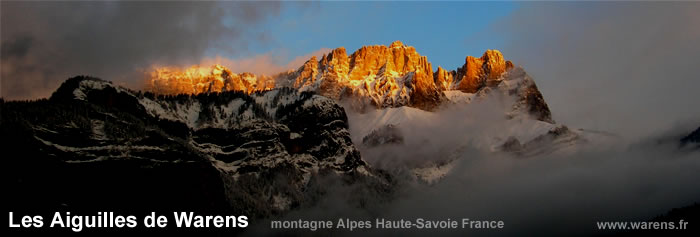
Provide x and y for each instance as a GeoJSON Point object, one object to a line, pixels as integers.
{"type": "Point", "coordinates": [444, 78]}
{"type": "Point", "coordinates": [195, 80]}
{"type": "Point", "coordinates": [477, 73]}
{"type": "Point", "coordinates": [398, 58]}
{"type": "Point", "coordinates": [256, 153]}
{"type": "Point", "coordinates": [376, 76]}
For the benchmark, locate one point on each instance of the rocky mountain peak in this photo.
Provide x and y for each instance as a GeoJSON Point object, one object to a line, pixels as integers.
{"type": "Point", "coordinates": [479, 72]}
{"type": "Point", "coordinates": [379, 72]}
{"type": "Point", "coordinates": [397, 58]}
{"type": "Point", "coordinates": [198, 79]}
{"type": "Point", "coordinates": [443, 78]}
{"type": "Point", "coordinates": [306, 74]}
{"type": "Point", "coordinates": [336, 62]}
{"type": "Point", "coordinates": [396, 44]}
{"type": "Point", "coordinates": [376, 76]}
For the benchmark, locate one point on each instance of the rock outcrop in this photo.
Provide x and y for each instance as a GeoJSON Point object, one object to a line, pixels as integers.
{"type": "Point", "coordinates": [249, 153]}
{"type": "Point", "coordinates": [393, 76]}
{"type": "Point", "coordinates": [196, 79]}
{"type": "Point", "coordinates": [477, 73]}
{"type": "Point", "coordinates": [376, 76]}
{"type": "Point", "coordinates": [443, 78]}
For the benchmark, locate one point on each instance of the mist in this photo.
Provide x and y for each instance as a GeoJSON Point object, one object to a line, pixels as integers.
{"type": "Point", "coordinates": [623, 67]}
{"type": "Point", "coordinates": [600, 178]}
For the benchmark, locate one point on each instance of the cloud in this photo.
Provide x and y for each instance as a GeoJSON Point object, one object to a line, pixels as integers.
{"type": "Point", "coordinates": [550, 194]}
{"type": "Point", "coordinates": [554, 194]}
{"type": "Point", "coordinates": [624, 67]}
{"type": "Point", "coordinates": [268, 64]}
{"type": "Point", "coordinates": [43, 43]}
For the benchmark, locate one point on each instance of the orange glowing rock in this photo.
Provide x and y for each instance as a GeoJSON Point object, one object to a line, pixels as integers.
{"type": "Point", "coordinates": [197, 79]}
{"type": "Point", "coordinates": [377, 75]}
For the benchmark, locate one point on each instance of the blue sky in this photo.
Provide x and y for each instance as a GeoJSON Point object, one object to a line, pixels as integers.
{"type": "Point", "coordinates": [443, 31]}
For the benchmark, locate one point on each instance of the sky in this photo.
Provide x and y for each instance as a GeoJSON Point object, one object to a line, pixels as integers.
{"type": "Point", "coordinates": [619, 67]}
{"type": "Point", "coordinates": [46, 42]}
{"type": "Point", "coordinates": [438, 30]}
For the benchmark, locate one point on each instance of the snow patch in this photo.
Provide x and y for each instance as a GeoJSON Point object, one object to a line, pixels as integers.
{"type": "Point", "coordinates": [98, 129]}
{"type": "Point", "coordinates": [363, 124]}
{"type": "Point", "coordinates": [433, 174]}
{"type": "Point", "coordinates": [457, 96]}
{"type": "Point", "coordinates": [280, 202]}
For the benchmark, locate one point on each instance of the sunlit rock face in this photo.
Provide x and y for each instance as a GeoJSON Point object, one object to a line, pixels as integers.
{"type": "Point", "coordinates": [376, 76]}
{"type": "Point", "coordinates": [443, 78]}
{"type": "Point", "coordinates": [397, 58]}
{"type": "Point", "coordinates": [196, 79]}
{"type": "Point", "coordinates": [393, 76]}
{"type": "Point", "coordinates": [373, 77]}
{"type": "Point", "coordinates": [479, 72]}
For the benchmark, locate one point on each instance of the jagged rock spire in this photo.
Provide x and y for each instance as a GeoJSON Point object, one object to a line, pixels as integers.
{"type": "Point", "coordinates": [376, 75]}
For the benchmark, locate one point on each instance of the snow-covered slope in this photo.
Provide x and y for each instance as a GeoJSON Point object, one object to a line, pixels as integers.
{"type": "Point", "coordinates": [282, 135]}
{"type": "Point", "coordinates": [428, 143]}
{"type": "Point", "coordinates": [394, 98]}
{"type": "Point", "coordinates": [508, 116]}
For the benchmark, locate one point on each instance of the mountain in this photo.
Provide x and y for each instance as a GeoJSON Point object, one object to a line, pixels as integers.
{"type": "Point", "coordinates": [96, 146]}
{"type": "Point", "coordinates": [692, 139]}
{"type": "Point", "coordinates": [196, 80]}
{"type": "Point", "coordinates": [373, 77]}
{"type": "Point", "coordinates": [220, 140]}
{"type": "Point", "coordinates": [389, 90]}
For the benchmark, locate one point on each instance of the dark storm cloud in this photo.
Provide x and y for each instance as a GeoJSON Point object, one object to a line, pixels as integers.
{"type": "Point", "coordinates": [624, 67]}
{"type": "Point", "coordinates": [17, 48]}
{"type": "Point", "coordinates": [44, 43]}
